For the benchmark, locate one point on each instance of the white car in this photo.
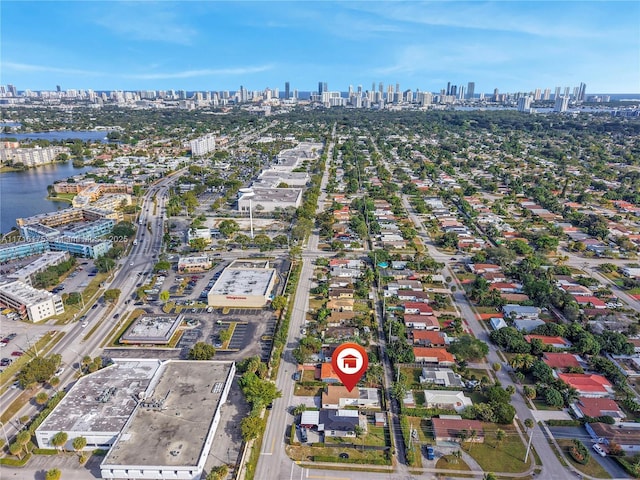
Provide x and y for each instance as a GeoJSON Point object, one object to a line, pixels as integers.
{"type": "Point", "coordinates": [599, 450]}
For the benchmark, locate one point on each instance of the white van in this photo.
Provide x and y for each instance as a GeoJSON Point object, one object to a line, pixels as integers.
{"type": "Point", "coordinates": [599, 450]}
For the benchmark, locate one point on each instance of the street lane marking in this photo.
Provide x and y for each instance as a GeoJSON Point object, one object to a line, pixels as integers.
{"type": "Point", "coordinates": [326, 477]}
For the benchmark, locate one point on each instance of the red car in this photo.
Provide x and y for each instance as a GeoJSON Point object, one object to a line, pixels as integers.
{"type": "Point", "coordinates": [17, 354]}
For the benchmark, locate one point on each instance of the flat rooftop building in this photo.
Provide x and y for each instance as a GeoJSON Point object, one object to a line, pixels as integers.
{"type": "Point", "coordinates": [170, 433]}
{"type": "Point", "coordinates": [158, 418]}
{"type": "Point", "coordinates": [27, 273]}
{"type": "Point", "coordinates": [30, 302]}
{"type": "Point", "coordinates": [152, 329]}
{"type": "Point", "coordinates": [269, 199]}
{"type": "Point", "coordinates": [244, 283]}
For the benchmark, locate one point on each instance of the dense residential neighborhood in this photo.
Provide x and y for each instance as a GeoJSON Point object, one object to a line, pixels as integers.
{"type": "Point", "coordinates": [487, 261]}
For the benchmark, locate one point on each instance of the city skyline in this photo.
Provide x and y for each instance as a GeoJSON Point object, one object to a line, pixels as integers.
{"type": "Point", "coordinates": [518, 46]}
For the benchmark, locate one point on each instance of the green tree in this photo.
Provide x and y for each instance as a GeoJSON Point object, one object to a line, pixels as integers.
{"type": "Point", "coordinates": [42, 398]}
{"type": "Point", "coordinates": [79, 443]}
{"type": "Point", "coordinates": [198, 244]}
{"type": "Point", "coordinates": [467, 347]}
{"type": "Point", "coordinates": [164, 296]}
{"type": "Point", "coordinates": [299, 409]}
{"type": "Point", "coordinates": [228, 228]}
{"type": "Point", "coordinates": [123, 229]}
{"type": "Point", "coordinates": [53, 474]}
{"type": "Point", "coordinates": [279, 302]}
{"type": "Point", "coordinates": [252, 427]}
{"type": "Point", "coordinates": [225, 336]}
{"type": "Point", "coordinates": [105, 264]}
{"type": "Point", "coordinates": [202, 351]}
{"type": "Point", "coordinates": [59, 440]}
{"type": "Point", "coordinates": [23, 438]}
{"type": "Point", "coordinates": [162, 265]}
{"type": "Point", "coordinates": [15, 449]}
{"type": "Point", "coordinates": [112, 295]}
{"type": "Point", "coordinates": [218, 473]}
{"type": "Point", "coordinates": [500, 435]}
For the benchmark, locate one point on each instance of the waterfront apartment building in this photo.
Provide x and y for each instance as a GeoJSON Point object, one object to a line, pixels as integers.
{"type": "Point", "coordinates": [203, 145]}
{"type": "Point", "coordinates": [14, 251]}
{"type": "Point", "coordinates": [30, 157]}
{"type": "Point", "coordinates": [95, 189]}
{"type": "Point", "coordinates": [29, 302]}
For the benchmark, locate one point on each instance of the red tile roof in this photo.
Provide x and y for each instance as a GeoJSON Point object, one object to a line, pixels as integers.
{"type": "Point", "coordinates": [327, 372]}
{"type": "Point", "coordinates": [586, 382]}
{"type": "Point", "coordinates": [597, 407]}
{"type": "Point", "coordinates": [451, 427]}
{"type": "Point", "coordinates": [430, 336]}
{"type": "Point", "coordinates": [440, 354]}
{"type": "Point", "coordinates": [547, 340]}
{"type": "Point", "coordinates": [560, 360]}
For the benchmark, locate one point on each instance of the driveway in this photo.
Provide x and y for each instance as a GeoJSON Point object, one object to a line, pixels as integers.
{"type": "Point", "coordinates": [580, 433]}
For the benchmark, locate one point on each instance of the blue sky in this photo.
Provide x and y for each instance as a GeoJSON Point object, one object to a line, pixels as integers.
{"type": "Point", "coordinates": [191, 45]}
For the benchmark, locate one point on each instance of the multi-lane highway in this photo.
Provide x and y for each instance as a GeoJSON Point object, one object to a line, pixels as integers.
{"type": "Point", "coordinates": [75, 345]}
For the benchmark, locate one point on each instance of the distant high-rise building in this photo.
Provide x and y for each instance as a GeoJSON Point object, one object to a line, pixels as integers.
{"type": "Point", "coordinates": [537, 94]}
{"type": "Point", "coordinates": [359, 90]}
{"type": "Point", "coordinates": [380, 88]}
{"type": "Point", "coordinates": [471, 87]}
{"type": "Point", "coordinates": [287, 93]}
{"type": "Point", "coordinates": [295, 93]}
{"type": "Point", "coordinates": [582, 92]}
{"type": "Point", "coordinates": [557, 93]}
{"type": "Point", "coordinates": [561, 105]}
{"type": "Point", "coordinates": [496, 95]}
{"type": "Point", "coordinates": [461, 93]}
{"type": "Point", "coordinates": [12, 90]}
{"type": "Point", "coordinates": [397, 88]}
{"type": "Point", "coordinates": [567, 91]}
{"type": "Point", "coordinates": [454, 90]}
{"type": "Point", "coordinates": [448, 88]}
{"type": "Point", "coordinates": [524, 104]}
{"type": "Point", "coordinates": [547, 94]}
{"type": "Point", "coordinates": [320, 85]}
{"type": "Point", "coordinates": [58, 89]}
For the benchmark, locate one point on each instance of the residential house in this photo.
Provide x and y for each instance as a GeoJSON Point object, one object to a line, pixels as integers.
{"type": "Point", "coordinates": [422, 322]}
{"type": "Point", "coordinates": [497, 323]}
{"type": "Point", "coordinates": [444, 377]}
{"type": "Point", "coordinates": [598, 407]}
{"type": "Point", "coordinates": [520, 312]}
{"type": "Point", "coordinates": [340, 423]}
{"type": "Point", "coordinates": [480, 268]}
{"type": "Point", "coordinates": [527, 325]}
{"type": "Point", "coordinates": [451, 430]}
{"type": "Point", "coordinates": [561, 361]}
{"type": "Point", "coordinates": [337, 396]}
{"type": "Point", "coordinates": [340, 293]}
{"type": "Point", "coordinates": [556, 342]}
{"type": "Point", "coordinates": [417, 308]}
{"type": "Point", "coordinates": [626, 435]}
{"type": "Point", "coordinates": [445, 399]}
{"type": "Point", "coordinates": [341, 304]}
{"type": "Point", "coordinates": [327, 374]}
{"type": "Point", "coordinates": [438, 356]}
{"type": "Point", "coordinates": [588, 385]}
{"type": "Point", "coordinates": [590, 302]}
{"type": "Point", "coordinates": [430, 338]}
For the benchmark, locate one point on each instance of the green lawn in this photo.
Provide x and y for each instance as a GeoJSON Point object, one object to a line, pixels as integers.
{"type": "Point", "coordinates": [413, 374]}
{"type": "Point", "coordinates": [307, 453]}
{"type": "Point", "coordinates": [449, 462]}
{"type": "Point", "coordinates": [592, 467]}
{"type": "Point", "coordinates": [507, 457]}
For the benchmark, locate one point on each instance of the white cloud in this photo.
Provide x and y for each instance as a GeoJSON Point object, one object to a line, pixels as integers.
{"type": "Point", "coordinates": [147, 21]}
{"type": "Point", "coordinates": [25, 67]}
{"type": "Point", "coordinates": [200, 73]}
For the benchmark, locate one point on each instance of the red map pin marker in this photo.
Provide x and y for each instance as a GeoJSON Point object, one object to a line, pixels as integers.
{"type": "Point", "coordinates": [350, 361]}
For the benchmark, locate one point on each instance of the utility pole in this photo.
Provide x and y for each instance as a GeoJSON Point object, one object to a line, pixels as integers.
{"type": "Point", "coordinates": [526, 457]}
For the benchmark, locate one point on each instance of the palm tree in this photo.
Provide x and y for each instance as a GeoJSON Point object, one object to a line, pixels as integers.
{"type": "Point", "coordinates": [499, 437]}
{"type": "Point", "coordinates": [79, 443]}
{"type": "Point", "coordinates": [472, 436]}
{"type": "Point", "coordinates": [457, 455]}
{"type": "Point", "coordinates": [23, 438]}
{"type": "Point", "coordinates": [16, 449]}
{"type": "Point", "coordinates": [59, 440]}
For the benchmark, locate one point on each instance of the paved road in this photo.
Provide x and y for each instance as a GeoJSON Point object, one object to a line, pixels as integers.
{"type": "Point", "coordinates": [552, 469]}
{"type": "Point", "coordinates": [75, 344]}
{"type": "Point", "coordinates": [274, 462]}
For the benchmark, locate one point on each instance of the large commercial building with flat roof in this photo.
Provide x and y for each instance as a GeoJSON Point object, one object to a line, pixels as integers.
{"type": "Point", "coordinates": [156, 418]}
{"type": "Point", "coordinates": [244, 283]}
{"type": "Point", "coordinates": [29, 302]}
{"type": "Point", "coordinates": [199, 263]}
{"type": "Point", "coordinates": [269, 199]}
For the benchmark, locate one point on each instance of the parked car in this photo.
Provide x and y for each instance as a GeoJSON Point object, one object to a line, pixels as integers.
{"type": "Point", "coordinates": [17, 353]}
{"type": "Point", "coordinates": [600, 451]}
{"type": "Point", "coordinates": [430, 453]}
